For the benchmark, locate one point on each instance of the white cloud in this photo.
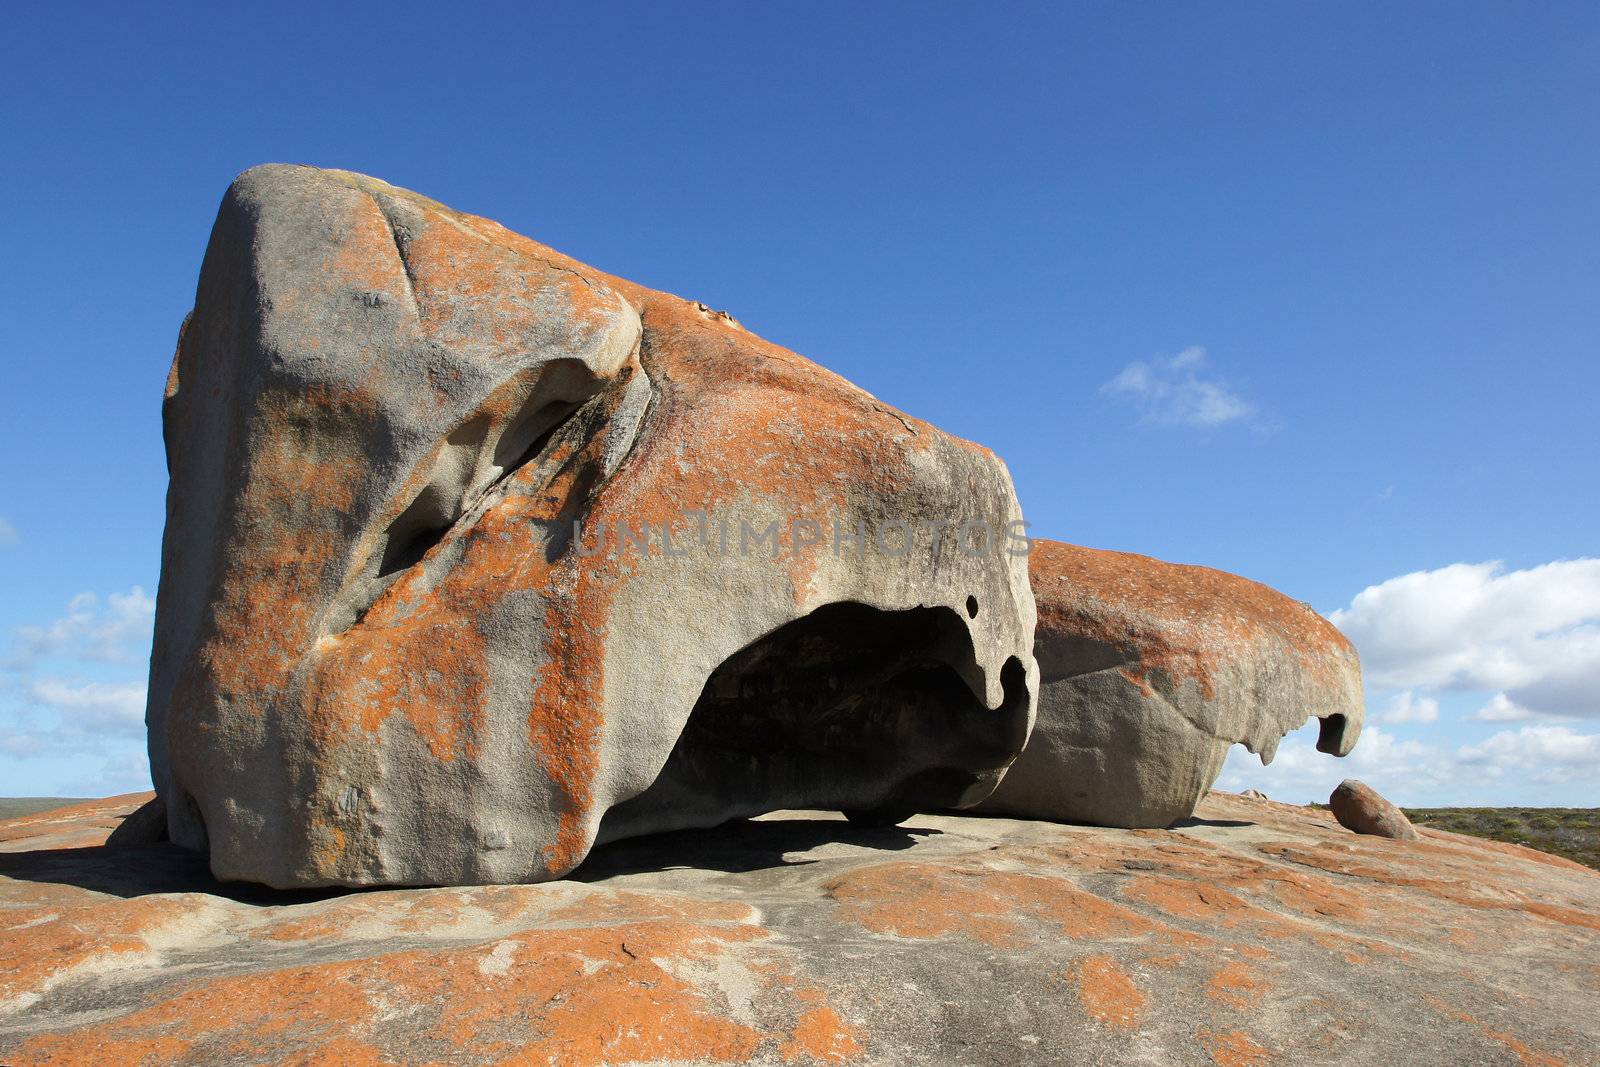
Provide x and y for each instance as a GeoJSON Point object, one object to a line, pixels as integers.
{"type": "Point", "coordinates": [1511, 767]}
{"type": "Point", "coordinates": [1531, 636]}
{"type": "Point", "coordinates": [1544, 753]}
{"type": "Point", "coordinates": [116, 631]}
{"type": "Point", "coordinates": [1500, 709]}
{"type": "Point", "coordinates": [1175, 392]}
{"type": "Point", "coordinates": [1406, 706]}
{"type": "Point", "coordinates": [97, 706]}
{"type": "Point", "coordinates": [22, 742]}
{"type": "Point", "coordinates": [8, 534]}
{"type": "Point", "coordinates": [73, 696]}
{"type": "Point", "coordinates": [61, 717]}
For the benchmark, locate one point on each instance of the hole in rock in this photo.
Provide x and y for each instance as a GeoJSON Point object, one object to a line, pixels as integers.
{"type": "Point", "coordinates": [474, 460]}
{"type": "Point", "coordinates": [850, 708]}
{"type": "Point", "coordinates": [430, 516]}
{"type": "Point", "coordinates": [1330, 732]}
{"type": "Point", "coordinates": [528, 435]}
{"type": "Point", "coordinates": [972, 607]}
{"type": "Point", "coordinates": [419, 528]}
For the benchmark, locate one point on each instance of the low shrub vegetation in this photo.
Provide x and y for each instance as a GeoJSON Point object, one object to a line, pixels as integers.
{"type": "Point", "coordinates": [1570, 832]}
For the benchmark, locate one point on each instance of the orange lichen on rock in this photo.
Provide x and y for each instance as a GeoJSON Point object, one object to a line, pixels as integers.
{"type": "Point", "coordinates": [916, 901]}
{"type": "Point", "coordinates": [385, 418]}
{"type": "Point", "coordinates": [1310, 896]}
{"type": "Point", "coordinates": [1314, 897]}
{"type": "Point", "coordinates": [265, 606]}
{"type": "Point", "coordinates": [783, 942]}
{"type": "Point", "coordinates": [581, 996]}
{"type": "Point", "coordinates": [1235, 985]}
{"type": "Point", "coordinates": [1190, 900]}
{"type": "Point", "coordinates": [821, 1036]}
{"type": "Point", "coordinates": [1233, 1048]}
{"type": "Point", "coordinates": [564, 725]}
{"type": "Point", "coordinates": [374, 677]}
{"type": "Point", "coordinates": [1075, 587]}
{"type": "Point", "coordinates": [45, 946]}
{"type": "Point", "coordinates": [1526, 1055]}
{"type": "Point", "coordinates": [1107, 993]}
{"type": "Point", "coordinates": [1150, 672]}
{"type": "Point", "coordinates": [1200, 899]}
{"type": "Point", "coordinates": [605, 997]}
{"type": "Point", "coordinates": [623, 906]}
{"type": "Point", "coordinates": [1459, 873]}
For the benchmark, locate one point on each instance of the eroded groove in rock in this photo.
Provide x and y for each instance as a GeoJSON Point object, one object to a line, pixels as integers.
{"type": "Point", "coordinates": [449, 494]}
{"type": "Point", "coordinates": [518, 425]}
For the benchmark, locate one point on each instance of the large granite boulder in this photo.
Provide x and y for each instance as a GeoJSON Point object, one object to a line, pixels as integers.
{"type": "Point", "coordinates": [476, 556]}
{"type": "Point", "coordinates": [1266, 934]}
{"type": "Point", "coordinates": [1151, 671]}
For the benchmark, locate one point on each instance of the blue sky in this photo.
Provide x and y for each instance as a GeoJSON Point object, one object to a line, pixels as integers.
{"type": "Point", "coordinates": [1305, 292]}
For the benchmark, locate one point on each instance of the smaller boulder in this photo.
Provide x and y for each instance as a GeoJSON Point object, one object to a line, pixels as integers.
{"type": "Point", "coordinates": [1255, 794]}
{"type": "Point", "coordinates": [1360, 808]}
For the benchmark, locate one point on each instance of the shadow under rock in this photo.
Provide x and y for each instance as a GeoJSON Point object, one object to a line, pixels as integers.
{"type": "Point", "coordinates": [742, 845]}
{"type": "Point", "coordinates": [139, 870]}
{"type": "Point", "coordinates": [739, 846]}
{"type": "Point", "coordinates": [1178, 825]}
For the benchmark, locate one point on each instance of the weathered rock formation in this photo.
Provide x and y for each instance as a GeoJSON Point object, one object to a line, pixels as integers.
{"type": "Point", "coordinates": [1262, 934]}
{"type": "Point", "coordinates": [386, 655]}
{"type": "Point", "coordinates": [1151, 671]}
{"type": "Point", "coordinates": [1362, 809]}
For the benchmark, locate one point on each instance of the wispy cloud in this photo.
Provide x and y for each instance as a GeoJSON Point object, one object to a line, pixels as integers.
{"type": "Point", "coordinates": [59, 717]}
{"type": "Point", "coordinates": [116, 707]}
{"type": "Point", "coordinates": [1501, 708]}
{"type": "Point", "coordinates": [125, 770]}
{"type": "Point", "coordinates": [115, 630]}
{"type": "Point", "coordinates": [1299, 772]}
{"type": "Point", "coordinates": [8, 533]}
{"type": "Point", "coordinates": [1178, 391]}
{"type": "Point", "coordinates": [74, 687]}
{"type": "Point", "coordinates": [1408, 707]}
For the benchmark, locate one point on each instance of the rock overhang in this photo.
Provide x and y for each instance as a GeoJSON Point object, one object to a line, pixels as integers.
{"type": "Point", "coordinates": [1150, 671]}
